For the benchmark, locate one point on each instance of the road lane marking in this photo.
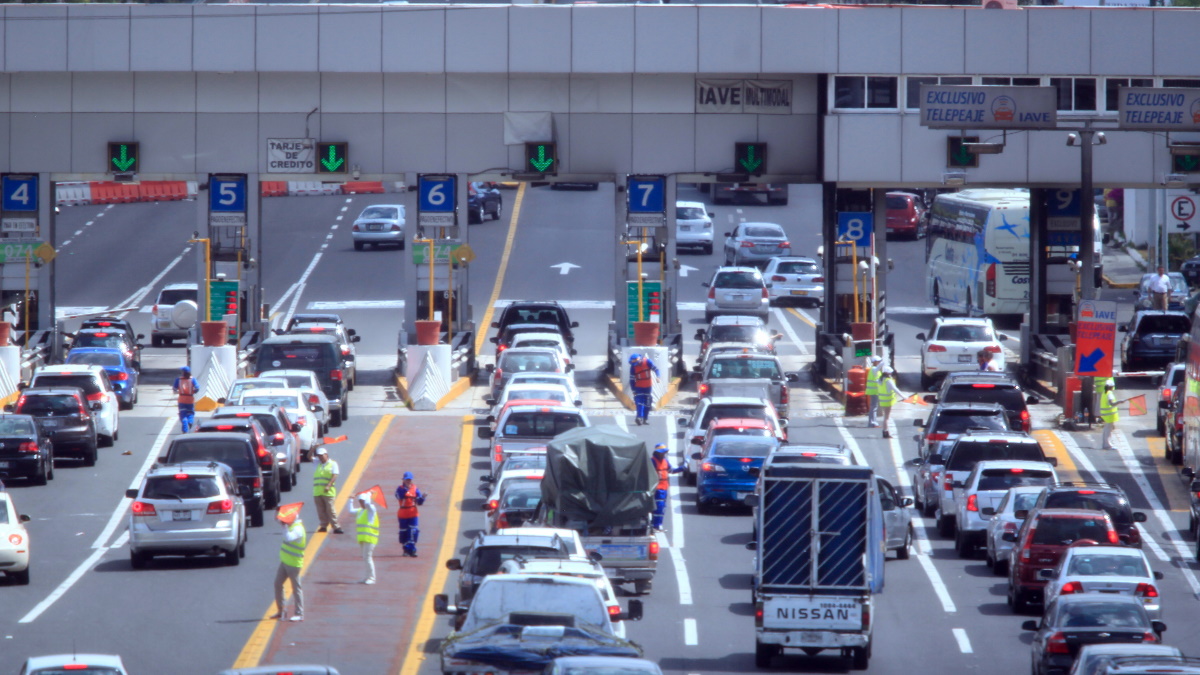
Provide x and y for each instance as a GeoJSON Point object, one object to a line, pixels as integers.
{"type": "Point", "coordinates": [935, 578]}
{"type": "Point", "coordinates": [787, 328]}
{"type": "Point", "coordinates": [508, 245]}
{"type": "Point", "coordinates": [98, 546]}
{"type": "Point", "coordinates": [964, 643]}
{"type": "Point", "coordinates": [142, 292]}
{"type": "Point", "coordinates": [923, 545]}
{"type": "Point", "coordinates": [689, 632]}
{"type": "Point", "coordinates": [677, 538]}
{"type": "Point", "coordinates": [1070, 457]}
{"type": "Point", "coordinates": [414, 656]}
{"type": "Point", "coordinates": [803, 316]}
{"type": "Point", "coordinates": [300, 282]}
{"type": "Point", "coordinates": [1157, 447]}
{"type": "Point", "coordinates": [681, 573]}
{"type": "Point", "coordinates": [356, 304]}
{"type": "Point", "coordinates": [621, 422]}
{"type": "Point", "coordinates": [252, 652]}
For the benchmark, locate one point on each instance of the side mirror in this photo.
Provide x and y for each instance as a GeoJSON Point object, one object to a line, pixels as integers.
{"type": "Point", "coordinates": [934, 459]}
{"type": "Point", "coordinates": [915, 461]}
{"type": "Point", "coordinates": [276, 441]}
{"type": "Point", "coordinates": [351, 332]}
{"type": "Point", "coordinates": [1020, 514]}
{"type": "Point", "coordinates": [987, 511]}
{"type": "Point", "coordinates": [1052, 461]}
{"type": "Point", "coordinates": [1139, 517]}
{"type": "Point", "coordinates": [683, 421]}
{"type": "Point", "coordinates": [906, 502]}
{"type": "Point", "coordinates": [487, 478]}
{"type": "Point", "coordinates": [728, 234]}
{"type": "Point", "coordinates": [489, 399]}
{"type": "Point", "coordinates": [491, 367]}
{"type": "Point", "coordinates": [574, 324]}
{"type": "Point", "coordinates": [1122, 329]}
{"type": "Point", "coordinates": [595, 556]}
{"type": "Point", "coordinates": [221, 400]}
{"type": "Point", "coordinates": [9, 408]}
{"type": "Point", "coordinates": [25, 519]}
{"type": "Point", "coordinates": [454, 564]}
{"type": "Point", "coordinates": [792, 378]}
{"type": "Point", "coordinates": [1045, 574]}
{"type": "Point", "coordinates": [441, 604]}
{"type": "Point", "coordinates": [712, 215]}
{"type": "Point", "coordinates": [578, 403]}
{"type": "Point", "coordinates": [751, 499]}
{"type": "Point", "coordinates": [131, 493]}
{"type": "Point", "coordinates": [356, 338]}
{"type": "Point", "coordinates": [495, 324]}
{"type": "Point", "coordinates": [295, 428]}
{"type": "Point", "coordinates": [1003, 337]}
{"type": "Point", "coordinates": [485, 433]}
{"type": "Point", "coordinates": [574, 352]}
{"type": "Point", "coordinates": [494, 340]}
{"type": "Point", "coordinates": [696, 455]}
{"type": "Point", "coordinates": [634, 613]}
{"type": "Point", "coordinates": [1159, 576]}
{"type": "Point", "coordinates": [705, 284]}
{"type": "Point", "coordinates": [1030, 625]}
{"type": "Point", "coordinates": [162, 459]}
{"type": "Point", "coordinates": [699, 336]}
{"type": "Point", "coordinates": [752, 546]}
{"type": "Point", "coordinates": [22, 386]}
{"type": "Point", "coordinates": [783, 422]}
{"type": "Point", "coordinates": [140, 336]}
{"type": "Point", "coordinates": [1158, 626]}
{"type": "Point", "coordinates": [317, 409]}
{"type": "Point", "coordinates": [957, 484]}
{"type": "Point", "coordinates": [918, 423]}
{"type": "Point", "coordinates": [1185, 471]}
{"type": "Point", "coordinates": [921, 337]}
{"type": "Point", "coordinates": [491, 418]}
{"type": "Point", "coordinates": [486, 505]}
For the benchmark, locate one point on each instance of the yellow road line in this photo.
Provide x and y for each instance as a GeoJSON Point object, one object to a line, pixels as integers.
{"type": "Point", "coordinates": [252, 652]}
{"type": "Point", "coordinates": [800, 316]}
{"type": "Point", "coordinates": [1053, 446]}
{"type": "Point", "coordinates": [415, 656]}
{"type": "Point", "coordinates": [482, 331]}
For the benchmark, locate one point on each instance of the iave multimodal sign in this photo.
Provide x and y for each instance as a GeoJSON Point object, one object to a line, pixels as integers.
{"type": "Point", "coordinates": [1165, 109]}
{"type": "Point", "coordinates": [985, 107]}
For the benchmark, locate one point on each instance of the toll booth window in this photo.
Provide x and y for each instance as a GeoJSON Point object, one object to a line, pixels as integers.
{"type": "Point", "coordinates": [1076, 94]}
{"type": "Point", "coordinates": [852, 92]}
{"type": "Point", "coordinates": [1112, 90]}
{"type": "Point", "coordinates": [913, 87]}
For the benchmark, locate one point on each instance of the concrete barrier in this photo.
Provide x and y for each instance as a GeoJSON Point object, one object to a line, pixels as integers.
{"type": "Point", "coordinates": [73, 194]}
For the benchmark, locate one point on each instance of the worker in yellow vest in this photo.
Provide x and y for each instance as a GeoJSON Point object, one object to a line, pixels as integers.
{"type": "Point", "coordinates": [889, 395]}
{"type": "Point", "coordinates": [291, 562]}
{"type": "Point", "coordinates": [1109, 414]}
{"type": "Point", "coordinates": [367, 519]}
{"type": "Point", "coordinates": [324, 490]}
{"type": "Point", "coordinates": [873, 370]}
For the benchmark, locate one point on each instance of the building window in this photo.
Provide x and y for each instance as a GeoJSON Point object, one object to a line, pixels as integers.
{"type": "Point", "coordinates": [913, 87]}
{"type": "Point", "coordinates": [1076, 94]}
{"type": "Point", "coordinates": [1012, 81]}
{"type": "Point", "coordinates": [859, 91]}
{"type": "Point", "coordinates": [1112, 89]}
{"type": "Point", "coordinates": [1175, 82]}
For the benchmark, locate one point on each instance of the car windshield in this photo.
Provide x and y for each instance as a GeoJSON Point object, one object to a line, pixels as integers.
{"type": "Point", "coordinates": [735, 334]}
{"type": "Point", "coordinates": [1112, 503]}
{"type": "Point", "coordinates": [73, 670]}
{"type": "Point", "coordinates": [1062, 531]}
{"type": "Point", "coordinates": [797, 267]}
{"type": "Point", "coordinates": [534, 378]}
{"type": "Point", "coordinates": [171, 296]}
{"type": "Point", "coordinates": [532, 315]}
{"type": "Point", "coordinates": [522, 496]}
{"type": "Point", "coordinates": [235, 454]}
{"type": "Point", "coordinates": [760, 231]}
{"type": "Point", "coordinates": [3, 512]}
{"type": "Point", "coordinates": [755, 369]}
{"type": "Point", "coordinates": [966, 454]}
{"type": "Point", "coordinates": [110, 340]}
{"type": "Point", "coordinates": [495, 601]}
{"type": "Point", "coordinates": [388, 212]}
{"type": "Point", "coordinates": [723, 411]}
{"type": "Point", "coordinates": [240, 389]}
{"type": "Point", "coordinates": [517, 363]}
{"type": "Point", "coordinates": [15, 427]}
{"type": "Point", "coordinates": [738, 280]}
{"type": "Point", "coordinates": [181, 486]}
{"type": "Point", "coordinates": [1009, 397]}
{"type": "Point", "coordinates": [95, 358]}
{"type": "Point", "coordinates": [964, 333]}
{"type": "Point", "coordinates": [1169, 324]}
{"type": "Point", "coordinates": [51, 404]}
{"type": "Point", "coordinates": [540, 424]}
{"type": "Point", "coordinates": [1176, 375]}
{"type": "Point", "coordinates": [536, 342]}
{"type": "Point", "coordinates": [283, 400]}
{"type": "Point", "coordinates": [521, 462]}
{"type": "Point", "coordinates": [959, 421]}
{"type": "Point", "coordinates": [897, 203]}
{"type": "Point", "coordinates": [1024, 501]}
{"type": "Point", "coordinates": [689, 213]}
{"type": "Point", "coordinates": [305, 356]}
{"type": "Point", "coordinates": [606, 669]}
{"type": "Point", "coordinates": [1003, 479]}
{"type": "Point", "coordinates": [742, 448]}
{"type": "Point", "coordinates": [1101, 615]}
{"type": "Point", "coordinates": [1104, 564]}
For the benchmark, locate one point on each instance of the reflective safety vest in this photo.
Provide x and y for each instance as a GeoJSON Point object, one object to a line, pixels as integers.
{"type": "Point", "coordinates": [408, 503]}
{"type": "Point", "coordinates": [291, 553]}
{"type": "Point", "coordinates": [663, 467]}
{"type": "Point", "coordinates": [641, 375]}
{"type": "Point", "coordinates": [887, 394]}
{"type": "Point", "coordinates": [872, 381]}
{"type": "Point", "coordinates": [322, 478]}
{"type": "Point", "coordinates": [1108, 408]}
{"type": "Point", "coordinates": [187, 391]}
{"type": "Point", "coordinates": [368, 527]}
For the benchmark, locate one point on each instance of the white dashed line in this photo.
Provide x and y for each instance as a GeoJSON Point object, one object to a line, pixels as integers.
{"type": "Point", "coordinates": [324, 246]}
{"type": "Point", "coordinates": [620, 420]}
{"type": "Point", "coordinates": [345, 208]}
{"type": "Point", "coordinates": [787, 328]}
{"type": "Point", "coordinates": [79, 232]}
{"type": "Point", "coordinates": [681, 573]}
{"type": "Point", "coordinates": [67, 242]}
{"type": "Point", "coordinates": [964, 643]}
{"type": "Point", "coordinates": [689, 632]}
{"type": "Point", "coordinates": [339, 218]}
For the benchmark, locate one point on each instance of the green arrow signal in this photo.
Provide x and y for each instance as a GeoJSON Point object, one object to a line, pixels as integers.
{"type": "Point", "coordinates": [749, 162]}
{"type": "Point", "coordinates": [125, 161]}
{"type": "Point", "coordinates": [333, 163]}
{"type": "Point", "coordinates": [962, 156]}
{"type": "Point", "coordinates": [542, 162]}
{"type": "Point", "coordinates": [1187, 162]}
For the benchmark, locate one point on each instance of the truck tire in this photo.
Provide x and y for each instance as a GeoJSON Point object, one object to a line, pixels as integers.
{"type": "Point", "coordinates": [963, 545]}
{"type": "Point", "coordinates": [763, 654]}
{"type": "Point", "coordinates": [642, 586]}
{"type": "Point", "coordinates": [860, 657]}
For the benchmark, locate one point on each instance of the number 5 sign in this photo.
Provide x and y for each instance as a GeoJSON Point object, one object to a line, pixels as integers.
{"type": "Point", "coordinates": [855, 227]}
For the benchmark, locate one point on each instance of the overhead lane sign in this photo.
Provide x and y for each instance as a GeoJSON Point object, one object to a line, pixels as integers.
{"type": "Point", "coordinates": [1166, 109]}
{"type": "Point", "coordinates": [988, 107]}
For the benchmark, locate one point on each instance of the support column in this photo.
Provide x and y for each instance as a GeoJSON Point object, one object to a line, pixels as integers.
{"type": "Point", "coordinates": [1037, 263]}
{"type": "Point", "coordinates": [879, 270]}
{"type": "Point", "coordinates": [255, 296]}
{"type": "Point", "coordinates": [45, 274]}
{"type": "Point", "coordinates": [620, 310]}
{"type": "Point", "coordinates": [670, 256]}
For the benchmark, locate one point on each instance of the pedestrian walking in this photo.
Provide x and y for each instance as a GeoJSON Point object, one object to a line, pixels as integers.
{"type": "Point", "coordinates": [410, 497]}
{"type": "Point", "coordinates": [367, 519]}
{"type": "Point", "coordinates": [889, 394]}
{"type": "Point", "coordinates": [1160, 289]}
{"type": "Point", "coordinates": [1109, 414]}
{"type": "Point", "coordinates": [986, 364]}
{"type": "Point", "coordinates": [324, 490]}
{"type": "Point", "coordinates": [642, 372]}
{"type": "Point", "coordinates": [186, 388]}
{"type": "Point", "coordinates": [663, 467]}
{"type": "Point", "coordinates": [291, 562]}
{"type": "Point", "coordinates": [874, 364]}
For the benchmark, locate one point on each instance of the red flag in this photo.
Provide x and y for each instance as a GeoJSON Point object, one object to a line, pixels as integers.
{"type": "Point", "coordinates": [377, 496]}
{"type": "Point", "coordinates": [915, 399]}
{"type": "Point", "coordinates": [288, 513]}
{"type": "Point", "coordinates": [336, 439]}
{"type": "Point", "coordinates": [1137, 405]}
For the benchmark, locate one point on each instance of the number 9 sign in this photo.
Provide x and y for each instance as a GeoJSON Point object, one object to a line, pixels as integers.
{"type": "Point", "coordinates": [855, 227]}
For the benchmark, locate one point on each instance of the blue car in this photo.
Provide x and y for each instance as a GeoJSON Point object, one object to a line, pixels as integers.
{"type": "Point", "coordinates": [729, 469]}
{"type": "Point", "coordinates": [120, 371]}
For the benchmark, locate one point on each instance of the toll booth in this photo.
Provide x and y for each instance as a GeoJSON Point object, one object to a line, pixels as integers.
{"type": "Point", "coordinates": [436, 262]}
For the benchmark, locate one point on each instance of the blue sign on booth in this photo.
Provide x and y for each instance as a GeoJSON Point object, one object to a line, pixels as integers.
{"type": "Point", "coordinates": [437, 193]}
{"type": "Point", "coordinates": [1063, 207]}
{"type": "Point", "coordinates": [21, 193]}
{"type": "Point", "coordinates": [855, 226]}
{"type": "Point", "coordinates": [647, 194]}
{"type": "Point", "coordinates": [227, 194]}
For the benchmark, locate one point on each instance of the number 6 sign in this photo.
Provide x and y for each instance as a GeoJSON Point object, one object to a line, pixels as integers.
{"type": "Point", "coordinates": [855, 227]}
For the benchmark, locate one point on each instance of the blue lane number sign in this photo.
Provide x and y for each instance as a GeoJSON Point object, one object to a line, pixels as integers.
{"type": "Point", "coordinates": [227, 193]}
{"type": "Point", "coordinates": [856, 227]}
{"type": "Point", "coordinates": [21, 193]}
{"type": "Point", "coordinates": [437, 196]}
{"type": "Point", "coordinates": [647, 194]}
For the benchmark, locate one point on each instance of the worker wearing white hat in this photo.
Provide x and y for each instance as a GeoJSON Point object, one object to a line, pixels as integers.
{"type": "Point", "coordinates": [874, 364]}
{"type": "Point", "coordinates": [889, 394]}
{"type": "Point", "coordinates": [368, 531]}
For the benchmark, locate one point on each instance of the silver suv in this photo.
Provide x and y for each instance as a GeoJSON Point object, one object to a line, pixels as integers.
{"type": "Point", "coordinates": [737, 290]}
{"type": "Point", "coordinates": [189, 508]}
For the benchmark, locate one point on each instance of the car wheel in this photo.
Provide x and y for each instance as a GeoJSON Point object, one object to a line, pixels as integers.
{"type": "Point", "coordinates": [905, 550]}
{"type": "Point", "coordinates": [289, 479]}
{"type": "Point", "coordinates": [21, 578]}
{"type": "Point", "coordinates": [963, 545]}
{"type": "Point", "coordinates": [764, 653]}
{"type": "Point", "coordinates": [241, 549]}
{"type": "Point", "coordinates": [116, 435]}
{"type": "Point", "coordinates": [358, 246]}
{"type": "Point", "coordinates": [105, 441]}
{"type": "Point", "coordinates": [138, 560]}
{"type": "Point", "coordinates": [256, 516]}
{"type": "Point", "coordinates": [1161, 427]}
{"type": "Point", "coordinates": [296, 476]}
{"type": "Point", "coordinates": [945, 527]}
{"type": "Point", "coordinates": [90, 455]}
{"type": "Point", "coordinates": [499, 209]}
{"type": "Point", "coordinates": [702, 506]}
{"type": "Point", "coordinates": [480, 214]}
{"type": "Point", "coordinates": [155, 341]}
{"type": "Point", "coordinates": [50, 466]}
{"type": "Point", "coordinates": [335, 418]}
{"type": "Point", "coordinates": [708, 317]}
{"type": "Point", "coordinates": [926, 381]}
{"type": "Point", "coordinates": [41, 477]}
{"type": "Point", "coordinates": [232, 558]}
{"type": "Point", "coordinates": [689, 477]}
{"type": "Point", "coordinates": [860, 658]}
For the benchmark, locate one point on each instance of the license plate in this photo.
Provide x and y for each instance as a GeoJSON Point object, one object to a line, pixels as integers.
{"type": "Point", "coordinates": [685, 228]}
{"type": "Point", "coordinates": [739, 298]}
{"type": "Point", "coordinates": [50, 423]}
{"type": "Point", "coordinates": [181, 515]}
{"type": "Point", "coordinates": [375, 227]}
{"type": "Point", "coordinates": [810, 638]}
{"type": "Point", "coordinates": [799, 292]}
{"type": "Point", "coordinates": [964, 358]}
{"type": "Point", "coordinates": [4, 465]}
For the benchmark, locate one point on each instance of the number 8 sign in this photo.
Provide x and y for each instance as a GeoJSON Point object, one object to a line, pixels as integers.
{"type": "Point", "coordinates": [855, 227]}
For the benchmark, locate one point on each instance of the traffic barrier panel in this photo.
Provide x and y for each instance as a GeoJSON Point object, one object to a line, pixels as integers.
{"type": "Point", "coordinates": [73, 194]}
{"type": "Point", "coordinates": [274, 188]}
{"type": "Point", "coordinates": [362, 188]}
{"type": "Point", "coordinates": [193, 189]}
{"type": "Point", "coordinates": [102, 193]}
{"type": "Point", "coordinates": [128, 193]}
{"type": "Point", "coordinates": [150, 191]}
{"type": "Point", "coordinates": [330, 188]}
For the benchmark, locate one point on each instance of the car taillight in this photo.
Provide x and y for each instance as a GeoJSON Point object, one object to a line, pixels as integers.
{"type": "Point", "coordinates": [224, 427]}
{"type": "Point", "coordinates": [118, 376]}
{"type": "Point", "coordinates": [778, 277]}
{"type": "Point", "coordinates": [154, 310]}
{"type": "Point", "coordinates": [765, 294]}
{"type": "Point", "coordinates": [395, 227]}
{"type": "Point", "coordinates": [500, 348]}
{"type": "Point", "coordinates": [98, 396]}
{"type": "Point", "coordinates": [785, 244]}
{"type": "Point", "coordinates": [256, 483]}
{"type": "Point", "coordinates": [654, 550]}
{"type": "Point", "coordinates": [747, 244]}
{"type": "Point", "coordinates": [28, 446]}
{"type": "Point", "coordinates": [355, 228]}
{"type": "Point", "coordinates": [313, 399]}
{"type": "Point", "coordinates": [948, 481]}
{"type": "Point", "coordinates": [143, 509]}
{"type": "Point", "coordinates": [712, 293]}
{"type": "Point", "coordinates": [990, 287]}
{"type": "Point", "coordinates": [498, 455]}
{"type": "Point", "coordinates": [1146, 590]}
{"type": "Point", "coordinates": [345, 350]}
{"type": "Point", "coordinates": [866, 616]}
{"type": "Point", "coordinates": [709, 467]}
{"type": "Point", "coordinates": [1057, 644]}
{"type": "Point", "coordinates": [262, 452]}
{"type": "Point", "coordinates": [492, 504]}
{"type": "Point", "coordinates": [703, 389]}
{"type": "Point", "coordinates": [614, 611]}
{"type": "Point", "coordinates": [784, 395]}
{"type": "Point", "coordinates": [1071, 587]}
{"type": "Point", "coordinates": [1010, 527]}
{"type": "Point", "coordinates": [758, 615]}
{"type": "Point", "coordinates": [936, 348]}
{"type": "Point", "coordinates": [972, 503]}
{"type": "Point", "coordinates": [335, 374]}
{"type": "Point", "coordinates": [278, 436]}
{"type": "Point", "coordinates": [502, 521]}
{"type": "Point", "coordinates": [1113, 537]}
{"type": "Point", "coordinates": [1025, 420]}
{"type": "Point", "coordinates": [221, 506]}
{"type": "Point", "coordinates": [936, 437]}
{"type": "Point", "coordinates": [1165, 394]}
{"type": "Point", "coordinates": [302, 421]}
{"type": "Point", "coordinates": [818, 280]}
{"type": "Point", "coordinates": [993, 349]}
{"type": "Point", "coordinates": [983, 386]}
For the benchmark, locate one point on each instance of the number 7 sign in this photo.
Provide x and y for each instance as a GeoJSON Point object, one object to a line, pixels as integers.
{"type": "Point", "coordinates": [647, 194]}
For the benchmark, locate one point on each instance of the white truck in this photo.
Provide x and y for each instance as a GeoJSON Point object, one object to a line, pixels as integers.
{"type": "Point", "coordinates": [820, 551]}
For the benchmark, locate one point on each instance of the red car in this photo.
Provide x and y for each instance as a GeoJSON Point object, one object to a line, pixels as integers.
{"type": "Point", "coordinates": [906, 215]}
{"type": "Point", "coordinates": [1040, 543]}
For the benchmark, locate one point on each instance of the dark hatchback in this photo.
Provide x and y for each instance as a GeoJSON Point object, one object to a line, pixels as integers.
{"type": "Point", "coordinates": [25, 450]}
{"type": "Point", "coordinates": [983, 387]}
{"type": "Point", "coordinates": [65, 415]}
{"type": "Point", "coordinates": [272, 484]}
{"type": "Point", "coordinates": [1104, 497]}
{"type": "Point", "coordinates": [538, 312]}
{"type": "Point", "coordinates": [1151, 339]}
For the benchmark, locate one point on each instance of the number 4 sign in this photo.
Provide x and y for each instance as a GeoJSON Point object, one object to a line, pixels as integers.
{"type": "Point", "coordinates": [20, 192]}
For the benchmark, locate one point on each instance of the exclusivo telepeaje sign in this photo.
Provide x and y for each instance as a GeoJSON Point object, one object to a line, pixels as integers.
{"type": "Point", "coordinates": [1166, 109]}
{"type": "Point", "coordinates": [988, 107]}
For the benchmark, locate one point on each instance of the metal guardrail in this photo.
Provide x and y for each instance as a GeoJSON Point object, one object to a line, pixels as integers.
{"type": "Point", "coordinates": [462, 353]}
{"type": "Point", "coordinates": [247, 351]}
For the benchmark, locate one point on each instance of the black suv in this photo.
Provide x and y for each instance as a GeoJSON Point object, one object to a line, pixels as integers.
{"type": "Point", "coordinates": [232, 449]}
{"type": "Point", "coordinates": [985, 387]}
{"type": "Point", "coordinates": [25, 449]}
{"type": "Point", "coordinates": [1104, 497]}
{"type": "Point", "coordinates": [65, 416]}
{"type": "Point", "coordinates": [1151, 338]}
{"type": "Point", "coordinates": [318, 352]}
{"type": "Point", "coordinates": [489, 551]}
{"type": "Point", "coordinates": [272, 481]}
{"type": "Point", "coordinates": [538, 312]}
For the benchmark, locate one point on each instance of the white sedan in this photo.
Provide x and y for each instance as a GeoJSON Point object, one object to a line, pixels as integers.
{"type": "Point", "coordinates": [1105, 569]}
{"type": "Point", "coordinates": [539, 391]}
{"type": "Point", "coordinates": [953, 344]}
{"type": "Point", "coordinates": [307, 381]}
{"type": "Point", "coordinates": [14, 540]}
{"type": "Point", "coordinates": [552, 340]}
{"type": "Point", "coordinates": [295, 402]}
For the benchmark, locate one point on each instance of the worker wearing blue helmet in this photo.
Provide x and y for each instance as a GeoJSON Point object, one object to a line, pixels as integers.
{"type": "Point", "coordinates": [662, 466]}
{"type": "Point", "coordinates": [186, 389]}
{"type": "Point", "coordinates": [642, 372]}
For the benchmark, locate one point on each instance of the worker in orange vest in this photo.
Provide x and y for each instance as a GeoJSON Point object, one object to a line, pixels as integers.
{"type": "Point", "coordinates": [642, 372]}
{"type": "Point", "coordinates": [663, 467]}
{"type": "Point", "coordinates": [186, 388]}
{"type": "Point", "coordinates": [410, 498]}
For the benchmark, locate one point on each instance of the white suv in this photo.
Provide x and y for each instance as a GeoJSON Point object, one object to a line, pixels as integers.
{"type": "Point", "coordinates": [953, 345]}
{"type": "Point", "coordinates": [985, 488]}
{"type": "Point", "coordinates": [693, 226]}
{"type": "Point", "coordinates": [174, 312]}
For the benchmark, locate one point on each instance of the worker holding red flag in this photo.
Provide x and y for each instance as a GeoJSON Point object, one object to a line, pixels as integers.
{"type": "Point", "coordinates": [291, 560]}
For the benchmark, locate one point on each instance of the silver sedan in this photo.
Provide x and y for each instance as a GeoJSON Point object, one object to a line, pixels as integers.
{"type": "Point", "coordinates": [794, 279]}
{"type": "Point", "coordinates": [1004, 519]}
{"type": "Point", "coordinates": [755, 244]}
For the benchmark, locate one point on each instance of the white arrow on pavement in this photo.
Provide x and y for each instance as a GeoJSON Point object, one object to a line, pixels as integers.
{"type": "Point", "coordinates": [564, 268]}
{"type": "Point", "coordinates": [684, 269]}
